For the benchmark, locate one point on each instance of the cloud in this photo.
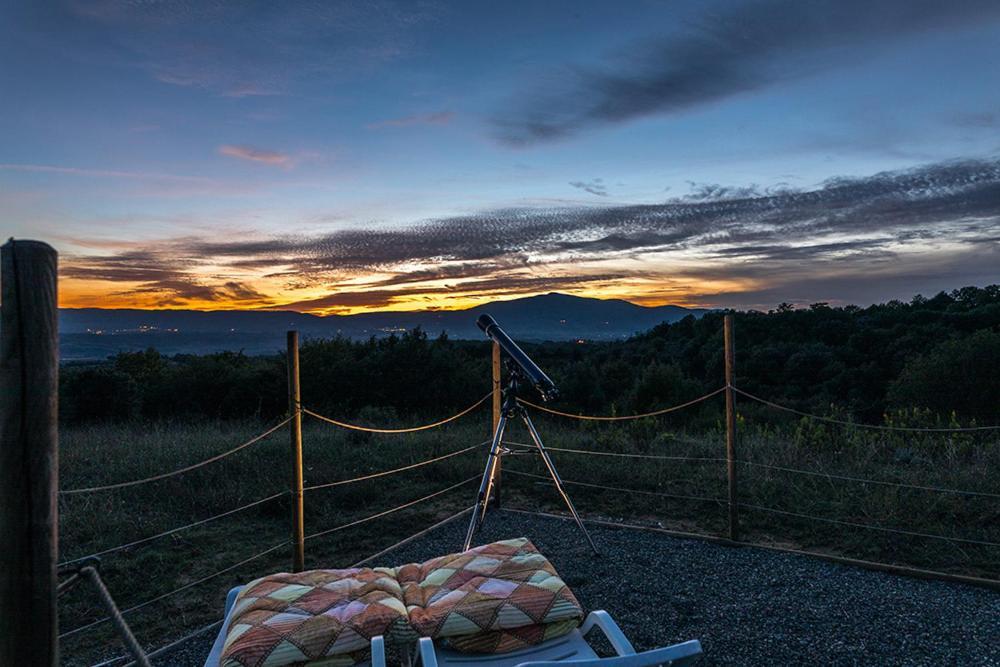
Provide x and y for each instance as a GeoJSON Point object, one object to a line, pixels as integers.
{"type": "Point", "coordinates": [942, 216]}
{"type": "Point", "coordinates": [594, 187]}
{"type": "Point", "coordinates": [730, 51]}
{"type": "Point", "coordinates": [508, 285]}
{"type": "Point", "coordinates": [257, 155]}
{"type": "Point", "coordinates": [437, 118]}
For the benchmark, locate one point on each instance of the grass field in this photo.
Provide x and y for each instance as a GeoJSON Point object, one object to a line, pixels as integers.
{"type": "Point", "coordinates": [111, 453]}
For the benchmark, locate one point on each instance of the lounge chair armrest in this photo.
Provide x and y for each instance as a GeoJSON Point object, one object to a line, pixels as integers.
{"type": "Point", "coordinates": [603, 620]}
{"type": "Point", "coordinates": [378, 651]}
{"type": "Point", "coordinates": [425, 650]}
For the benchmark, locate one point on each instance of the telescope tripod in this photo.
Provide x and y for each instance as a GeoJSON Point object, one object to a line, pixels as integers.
{"type": "Point", "coordinates": [509, 410]}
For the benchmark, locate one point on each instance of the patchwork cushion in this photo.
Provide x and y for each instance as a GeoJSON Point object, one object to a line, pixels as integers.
{"type": "Point", "coordinates": [495, 598]}
{"type": "Point", "coordinates": [329, 615]}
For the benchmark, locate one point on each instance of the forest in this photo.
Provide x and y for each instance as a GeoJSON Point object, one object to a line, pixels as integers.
{"type": "Point", "coordinates": [932, 359]}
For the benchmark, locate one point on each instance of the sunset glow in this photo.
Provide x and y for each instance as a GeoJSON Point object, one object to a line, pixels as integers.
{"type": "Point", "coordinates": [345, 157]}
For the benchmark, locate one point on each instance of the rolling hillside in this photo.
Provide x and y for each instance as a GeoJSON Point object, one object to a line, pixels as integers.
{"type": "Point", "coordinates": [89, 333]}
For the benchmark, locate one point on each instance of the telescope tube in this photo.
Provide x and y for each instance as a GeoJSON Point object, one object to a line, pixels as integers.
{"type": "Point", "coordinates": [535, 375]}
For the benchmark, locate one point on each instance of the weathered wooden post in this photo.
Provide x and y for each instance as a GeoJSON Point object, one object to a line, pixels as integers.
{"type": "Point", "coordinates": [29, 454]}
{"type": "Point", "coordinates": [295, 431]}
{"type": "Point", "coordinates": [497, 397]}
{"type": "Point", "coordinates": [734, 513]}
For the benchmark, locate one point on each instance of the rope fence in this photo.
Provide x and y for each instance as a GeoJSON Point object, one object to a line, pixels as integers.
{"type": "Point", "coordinates": [379, 515]}
{"type": "Point", "coordinates": [865, 480]}
{"type": "Point", "coordinates": [414, 429]}
{"type": "Point", "coordinates": [644, 415]}
{"type": "Point", "coordinates": [180, 589]}
{"type": "Point", "coordinates": [868, 526]}
{"type": "Point", "coordinates": [394, 471]}
{"type": "Point", "coordinates": [202, 522]}
{"type": "Point", "coordinates": [179, 471]}
{"type": "Point", "coordinates": [878, 427]}
{"type": "Point", "coordinates": [619, 489]}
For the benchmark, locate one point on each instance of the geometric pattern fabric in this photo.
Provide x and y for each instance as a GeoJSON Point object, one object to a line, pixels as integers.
{"type": "Point", "coordinates": [494, 598]}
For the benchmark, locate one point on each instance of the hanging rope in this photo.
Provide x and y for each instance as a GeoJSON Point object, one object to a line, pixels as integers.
{"type": "Point", "coordinates": [394, 470]}
{"type": "Point", "coordinates": [625, 417]}
{"type": "Point", "coordinates": [885, 529]}
{"type": "Point", "coordinates": [877, 427]}
{"type": "Point", "coordinates": [617, 488]}
{"type": "Point", "coordinates": [154, 478]}
{"type": "Point", "coordinates": [372, 517]}
{"type": "Point", "coordinates": [414, 536]}
{"type": "Point", "coordinates": [655, 457]}
{"type": "Point", "coordinates": [865, 480]}
{"type": "Point", "coordinates": [141, 605]}
{"type": "Point", "coordinates": [366, 429]}
{"type": "Point", "coordinates": [176, 530]}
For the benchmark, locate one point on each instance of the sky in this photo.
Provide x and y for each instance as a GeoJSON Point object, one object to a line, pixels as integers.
{"type": "Point", "coordinates": [338, 156]}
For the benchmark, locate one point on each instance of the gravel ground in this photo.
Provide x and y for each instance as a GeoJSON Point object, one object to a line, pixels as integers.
{"type": "Point", "coordinates": [747, 606]}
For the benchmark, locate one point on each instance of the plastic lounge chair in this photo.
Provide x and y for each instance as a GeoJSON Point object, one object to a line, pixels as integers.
{"type": "Point", "coordinates": [378, 643]}
{"type": "Point", "coordinates": [570, 649]}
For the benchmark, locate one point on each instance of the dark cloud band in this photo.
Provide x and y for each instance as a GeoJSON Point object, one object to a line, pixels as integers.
{"type": "Point", "coordinates": [739, 48]}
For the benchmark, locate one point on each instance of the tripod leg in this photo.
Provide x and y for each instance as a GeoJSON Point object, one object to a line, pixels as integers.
{"type": "Point", "coordinates": [486, 485]}
{"type": "Point", "coordinates": [556, 479]}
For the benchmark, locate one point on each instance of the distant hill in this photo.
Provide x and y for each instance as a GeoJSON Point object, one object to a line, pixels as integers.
{"type": "Point", "coordinates": [94, 333]}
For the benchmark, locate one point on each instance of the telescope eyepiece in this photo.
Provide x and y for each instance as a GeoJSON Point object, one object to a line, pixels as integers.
{"type": "Point", "coordinates": [484, 322]}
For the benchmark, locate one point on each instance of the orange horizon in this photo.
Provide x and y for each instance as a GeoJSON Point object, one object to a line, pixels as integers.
{"type": "Point", "coordinates": [74, 294]}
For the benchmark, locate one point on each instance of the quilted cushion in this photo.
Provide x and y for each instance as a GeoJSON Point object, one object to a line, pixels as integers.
{"type": "Point", "coordinates": [329, 615]}
{"type": "Point", "coordinates": [495, 598]}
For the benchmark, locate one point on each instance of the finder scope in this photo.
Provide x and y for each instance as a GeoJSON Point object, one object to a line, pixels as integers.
{"type": "Point", "coordinates": [529, 368]}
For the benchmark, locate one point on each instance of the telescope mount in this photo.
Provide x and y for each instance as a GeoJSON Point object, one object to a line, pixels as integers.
{"type": "Point", "coordinates": [511, 408]}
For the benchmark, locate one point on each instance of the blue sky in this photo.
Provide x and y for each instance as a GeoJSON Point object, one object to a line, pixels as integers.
{"type": "Point", "coordinates": [336, 156]}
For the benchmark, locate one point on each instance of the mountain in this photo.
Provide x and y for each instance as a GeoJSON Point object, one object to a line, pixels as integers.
{"type": "Point", "coordinates": [89, 333]}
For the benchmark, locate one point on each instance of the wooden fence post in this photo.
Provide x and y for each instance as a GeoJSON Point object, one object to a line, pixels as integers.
{"type": "Point", "coordinates": [734, 513]}
{"type": "Point", "coordinates": [295, 431]}
{"type": "Point", "coordinates": [497, 394]}
{"type": "Point", "coordinates": [29, 455]}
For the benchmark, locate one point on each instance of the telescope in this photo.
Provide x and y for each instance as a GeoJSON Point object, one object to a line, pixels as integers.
{"type": "Point", "coordinates": [528, 368]}
{"type": "Point", "coordinates": [519, 367]}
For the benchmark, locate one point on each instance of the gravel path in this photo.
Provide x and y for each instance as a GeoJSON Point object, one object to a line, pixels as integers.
{"type": "Point", "coordinates": [747, 606]}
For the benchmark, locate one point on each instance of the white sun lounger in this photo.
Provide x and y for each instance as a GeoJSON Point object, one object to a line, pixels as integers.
{"type": "Point", "coordinates": [215, 656]}
{"type": "Point", "coordinates": [570, 649]}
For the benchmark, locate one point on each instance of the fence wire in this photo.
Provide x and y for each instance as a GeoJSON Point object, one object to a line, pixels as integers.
{"type": "Point", "coordinates": [868, 526]}
{"type": "Point", "coordinates": [414, 536]}
{"type": "Point", "coordinates": [414, 429]}
{"type": "Point", "coordinates": [876, 427]}
{"type": "Point", "coordinates": [385, 473]}
{"type": "Point", "coordinates": [643, 415]}
{"type": "Point", "coordinates": [617, 488]}
{"type": "Point", "coordinates": [865, 480]}
{"type": "Point", "coordinates": [176, 530]}
{"type": "Point", "coordinates": [154, 478]}
{"type": "Point", "coordinates": [141, 605]}
{"type": "Point", "coordinates": [655, 457]}
{"type": "Point", "coordinates": [372, 517]}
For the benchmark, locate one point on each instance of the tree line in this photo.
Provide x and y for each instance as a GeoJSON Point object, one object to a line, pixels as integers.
{"type": "Point", "coordinates": [938, 354]}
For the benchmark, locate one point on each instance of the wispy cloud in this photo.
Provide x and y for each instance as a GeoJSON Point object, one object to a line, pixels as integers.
{"type": "Point", "coordinates": [436, 118]}
{"type": "Point", "coordinates": [260, 155]}
{"type": "Point", "coordinates": [594, 187]}
{"type": "Point", "coordinates": [939, 223]}
{"type": "Point", "coordinates": [730, 51]}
